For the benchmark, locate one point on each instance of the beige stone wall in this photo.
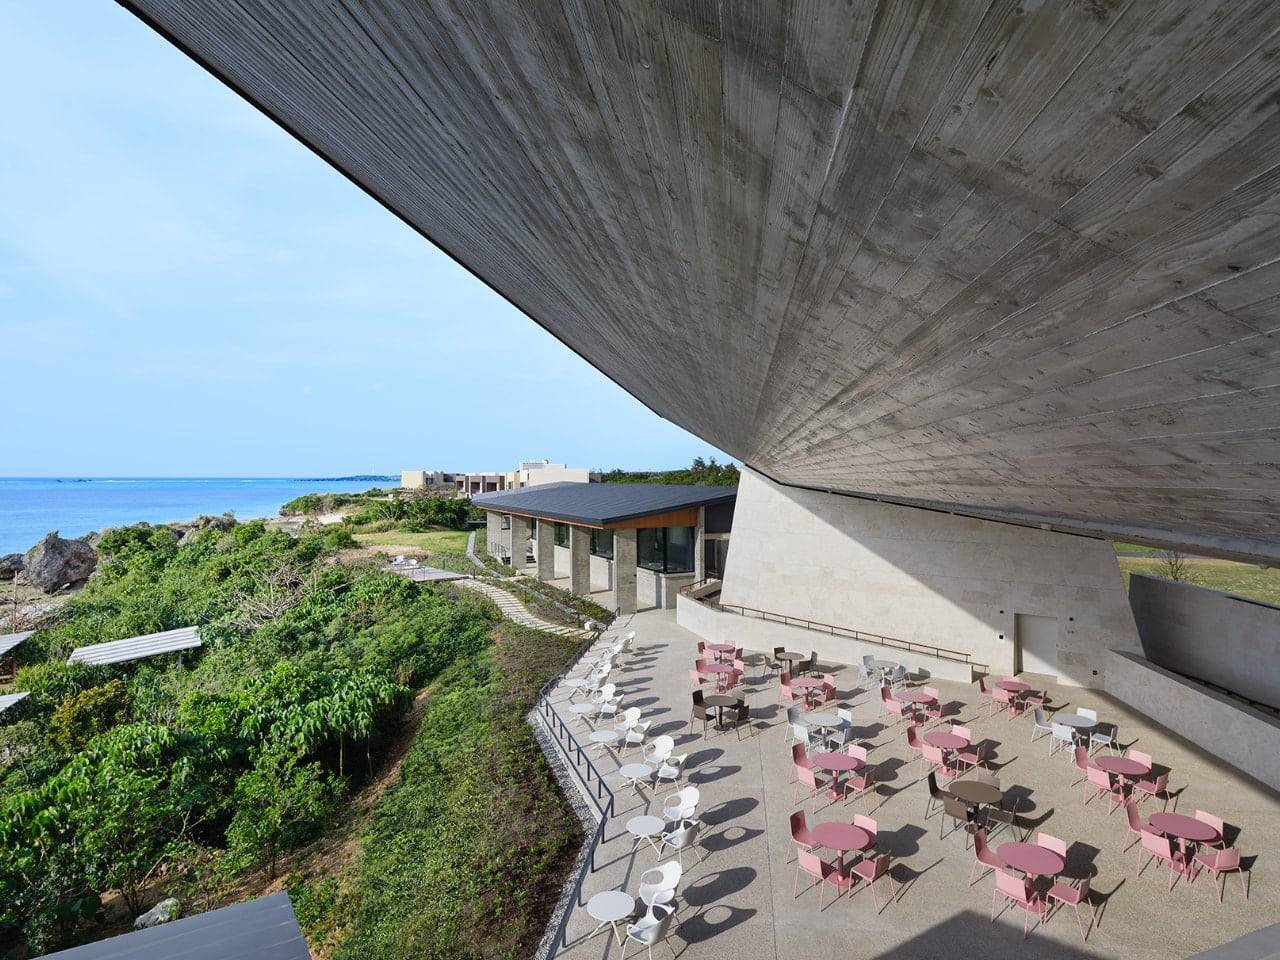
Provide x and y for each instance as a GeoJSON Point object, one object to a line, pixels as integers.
{"type": "Point", "coordinates": [927, 577]}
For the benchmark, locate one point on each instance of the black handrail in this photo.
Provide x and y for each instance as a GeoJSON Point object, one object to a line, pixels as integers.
{"type": "Point", "coordinates": [941, 653]}
{"type": "Point", "coordinates": [603, 798]}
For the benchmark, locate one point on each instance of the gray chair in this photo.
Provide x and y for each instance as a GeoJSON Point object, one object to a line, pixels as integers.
{"type": "Point", "coordinates": [1061, 737]}
{"type": "Point", "coordinates": [1041, 723]}
{"type": "Point", "coordinates": [1105, 735]}
{"type": "Point", "coordinates": [960, 813]}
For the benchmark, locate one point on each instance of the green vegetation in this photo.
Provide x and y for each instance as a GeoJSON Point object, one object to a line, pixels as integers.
{"type": "Point", "coordinates": [155, 774]}
{"type": "Point", "coordinates": [700, 472]}
{"type": "Point", "coordinates": [311, 504]}
{"type": "Point", "coordinates": [584, 605]}
{"type": "Point", "coordinates": [464, 855]}
{"type": "Point", "coordinates": [1241, 579]}
{"type": "Point", "coordinates": [447, 541]}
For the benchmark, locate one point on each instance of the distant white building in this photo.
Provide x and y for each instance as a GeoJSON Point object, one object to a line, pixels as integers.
{"type": "Point", "coordinates": [530, 473]}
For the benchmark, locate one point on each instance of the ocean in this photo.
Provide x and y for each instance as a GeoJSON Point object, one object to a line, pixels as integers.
{"type": "Point", "coordinates": [32, 506]}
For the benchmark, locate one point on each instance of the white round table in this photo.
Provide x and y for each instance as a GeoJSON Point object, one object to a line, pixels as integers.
{"type": "Point", "coordinates": [635, 772]}
{"type": "Point", "coordinates": [604, 738]}
{"type": "Point", "coordinates": [1074, 720]}
{"type": "Point", "coordinates": [609, 907]}
{"type": "Point", "coordinates": [646, 827]}
{"type": "Point", "coordinates": [585, 711]}
{"type": "Point", "coordinates": [824, 720]}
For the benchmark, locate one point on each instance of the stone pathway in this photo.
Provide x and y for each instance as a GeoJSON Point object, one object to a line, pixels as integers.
{"type": "Point", "coordinates": [513, 609]}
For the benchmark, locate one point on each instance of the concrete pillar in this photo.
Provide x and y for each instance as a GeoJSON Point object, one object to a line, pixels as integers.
{"type": "Point", "coordinates": [493, 532]}
{"type": "Point", "coordinates": [580, 561]}
{"type": "Point", "coordinates": [546, 554]}
{"type": "Point", "coordinates": [519, 542]}
{"type": "Point", "coordinates": [699, 546]}
{"type": "Point", "coordinates": [624, 570]}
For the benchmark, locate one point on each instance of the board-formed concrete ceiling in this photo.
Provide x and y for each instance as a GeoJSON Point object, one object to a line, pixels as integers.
{"type": "Point", "coordinates": [1015, 259]}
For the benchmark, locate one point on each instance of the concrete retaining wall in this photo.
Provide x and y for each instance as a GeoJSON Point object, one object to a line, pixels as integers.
{"type": "Point", "coordinates": [1228, 641]}
{"type": "Point", "coordinates": [717, 626]}
{"type": "Point", "coordinates": [926, 576]}
{"type": "Point", "coordinates": [1244, 738]}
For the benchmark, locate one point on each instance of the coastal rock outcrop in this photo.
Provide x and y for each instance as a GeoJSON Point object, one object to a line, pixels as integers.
{"type": "Point", "coordinates": [193, 528]}
{"type": "Point", "coordinates": [164, 911]}
{"type": "Point", "coordinates": [54, 563]}
{"type": "Point", "coordinates": [10, 565]}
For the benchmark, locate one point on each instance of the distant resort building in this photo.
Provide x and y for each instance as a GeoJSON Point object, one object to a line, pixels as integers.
{"type": "Point", "coordinates": [530, 473]}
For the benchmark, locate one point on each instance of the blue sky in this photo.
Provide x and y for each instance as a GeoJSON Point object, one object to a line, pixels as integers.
{"type": "Point", "coordinates": [185, 290]}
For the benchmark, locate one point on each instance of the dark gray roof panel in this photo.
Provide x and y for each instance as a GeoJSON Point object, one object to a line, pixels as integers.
{"type": "Point", "coordinates": [601, 504]}
{"type": "Point", "coordinates": [263, 929]}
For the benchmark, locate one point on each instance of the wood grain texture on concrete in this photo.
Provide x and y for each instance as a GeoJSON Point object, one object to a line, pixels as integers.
{"type": "Point", "coordinates": [1013, 259]}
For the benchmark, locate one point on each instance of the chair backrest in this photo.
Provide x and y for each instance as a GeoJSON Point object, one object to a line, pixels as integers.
{"type": "Point", "coordinates": [955, 808]}
{"type": "Point", "coordinates": [1157, 844]}
{"type": "Point", "coordinates": [1016, 888]}
{"type": "Point", "coordinates": [695, 680]}
{"type": "Point", "coordinates": [1082, 758]}
{"type": "Point", "coordinates": [684, 835]}
{"type": "Point", "coordinates": [1161, 783]}
{"type": "Point", "coordinates": [1050, 842]}
{"type": "Point", "coordinates": [631, 716]}
{"type": "Point", "coordinates": [607, 690]}
{"type": "Point", "coordinates": [813, 658]}
{"type": "Point", "coordinates": [1135, 819]}
{"type": "Point", "coordinates": [744, 712]}
{"type": "Point", "coordinates": [697, 694]}
{"type": "Point", "coordinates": [982, 686]}
{"type": "Point", "coordinates": [1098, 777]}
{"type": "Point", "coordinates": [1140, 756]}
{"type": "Point", "coordinates": [866, 823]}
{"type": "Point", "coordinates": [653, 926]}
{"type": "Point", "coordinates": [701, 711]}
{"type": "Point", "coordinates": [800, 732]}
{"type": "Point", "coordinates": [933, 785]}
{"type": "Point", "coordinates": [1041, 719]}
{"type": "Point", "coordinates": [793, 714]}
{"type": "Point", "coordinates": [980, 842]}
{"type": "Point", "coordinates": [912, 739]}
{"type": "Point", "coordinates": [810, 863]}
{"type": "Point", "coordinates": [868, 659]}
{"type": "Point", "coordinates": [799, 756]}
{"type": "Point", "coordinates": [739, 666]}
{"type": "Point", "coordinates": [960, 731]}
{"type": "Point", "coordinates": [881, 866]}
{"type": "Point", "coordinates": [1062, 731]}
{"type": "Point", "coordinates": [933, 692]}
{"type": "Point", "coordinates": [857, 750]}
{"type": "Point", "coordinates": [1088, 714]}
{"type": "Point", "coordinates": [778, 650]}
{"type": "Point", "coordinates": [660, 747]}
{"type": "Point", "coordinates": [807, 777]}
{"type": "Point", "coordinates": [1211, 820]}
{"type": "Point", "coordinates": [829, 678]}
{"type": "Point", "coordinates": [1228, 859]}
{"type": "Point", "coordinates": [845, 715]}
{"type": "Point", "coordinates": [785, 679]}
{"type": "Point", "coordinates": [659, 879]}
{"type": "Point", "coordinates": [799, 826]}
{"type": "Point", "coordinates": [932, 754]}
{"type": "Point", "coordinates": [986, 776]}
{"type": "Point", "coordinates": [702, 647]}
{"type": "Point", "coordinates": [886, 694]}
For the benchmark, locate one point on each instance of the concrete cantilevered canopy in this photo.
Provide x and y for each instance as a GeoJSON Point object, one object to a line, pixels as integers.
{"type": "Point", "coordinates": [1013, 260]}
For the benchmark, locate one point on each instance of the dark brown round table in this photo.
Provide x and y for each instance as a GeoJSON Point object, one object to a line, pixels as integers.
{"type": "Point", "coordinates": [789, 657]}
{"type": "Point", "coordinates": [720, 701]}
{"type": "Point", "coordinates": [975, 792]}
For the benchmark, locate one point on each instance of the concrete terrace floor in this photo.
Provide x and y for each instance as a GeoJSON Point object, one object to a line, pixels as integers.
{"type": "Point", "coordinates": [738, 901]}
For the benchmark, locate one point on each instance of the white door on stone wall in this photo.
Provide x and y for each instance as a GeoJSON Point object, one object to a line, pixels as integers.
{"type": "Point", "coordinates": [1037, 644]}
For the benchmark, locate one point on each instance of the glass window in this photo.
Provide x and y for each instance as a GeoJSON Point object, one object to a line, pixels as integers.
{"type": "Point", "coordinates": [506, 521]}
{"type": "Point", "coordinates": [679, 549]}
{"type": "Point", "coordinates": [602, 544]}
{"type": "Point", "coordinates": [665, 549]}
{"type": "Point", "coordinates": [562, 534]}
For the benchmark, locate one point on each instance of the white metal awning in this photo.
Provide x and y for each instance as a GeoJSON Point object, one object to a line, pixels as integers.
{"type": "Point", "coordinates": [9, 699]}
{"type": "Point", "coordinates": [136, 648]}
{"type": "Point", "coordinates": [10, 640]}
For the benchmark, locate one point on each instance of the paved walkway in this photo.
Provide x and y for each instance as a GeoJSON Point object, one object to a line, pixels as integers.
{"type": "Point", "coordinates": [738, 901]}
{"type": "Point", "coordinates": [513, 609]}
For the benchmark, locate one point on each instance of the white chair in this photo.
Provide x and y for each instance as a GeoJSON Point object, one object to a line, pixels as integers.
{"type": "Point", "coordinates": [682, 838]}
{"type": "Point", "coordinates": [658, 884]}
{"type": "Point", "coordinates": [800, 734]}
{"type": "Point", "coordinates": [1062, 737]}
{"type": "Point", "coordinates": [1104, 735]}
{"type": "Point", "coordinates": [1041, 722]}
{"type": "Point", "coordinates": [670, 769]}
{"type": "Point", "coordinates": [609, 708]}
{"type": "Point", "coordinates": [604, 692]}
{"type": "Point", "coordinates": [630, 717]}
{"type": "Point", "coordinates": [658, 749]}
{"type": "Point", "coordinates": [681, 805]}
{"type": "Point", "coordinates": [633, 736]}
{"type": "Point", "coordinates": [1088, 714]}
{"type": "Point", "coordinates": [650, 929]}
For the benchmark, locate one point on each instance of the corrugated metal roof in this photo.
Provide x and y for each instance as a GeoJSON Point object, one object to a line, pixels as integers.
{"type": "Point", "coordinates": [601, 504]}
{"type": "Point", "coordinates": [135, 648]}
{"type": "Point", "coordinates": [262, 929]}
{"type": "Point", "coordinates": [10, 640]}
{"type": "Point", "coordinates": [9, 699]}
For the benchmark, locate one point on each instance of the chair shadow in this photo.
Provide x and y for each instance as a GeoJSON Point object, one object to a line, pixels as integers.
{"type": "Point", "coordinates": [729, 810]}
{"type": "Point", "coordinates": [1099, 900]}
{"type": "Point", "coordinates": [906, 876]}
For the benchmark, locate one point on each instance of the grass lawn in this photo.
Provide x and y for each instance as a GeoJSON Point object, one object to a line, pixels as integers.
{"type": "Point", "coordinates": [447, 541]}
{"type": "Point", "coordinates": [1242, 579]}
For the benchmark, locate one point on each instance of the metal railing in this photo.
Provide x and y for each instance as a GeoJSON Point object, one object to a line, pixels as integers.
{"type": "Point", "coordinates": [911, 646]}
{"type": "Point", "coordinates": [601, 797]}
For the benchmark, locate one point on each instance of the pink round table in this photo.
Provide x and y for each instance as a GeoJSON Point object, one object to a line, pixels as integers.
{"type": "Point", "coordinates": [841, 837]}
{"type": "Point", "coordinates": [717, 668]}
{"type": "Point", "coordinates": [1013, 686]}
{"type": "Point", "coordinates": [836, 764]}
{"type": "Point", "coordinates": [1123, 766]}
{"type": "Point", "coordinates": [1183, 827]}
{"type": "Point", "coordinates": [1032, 859]}
{"type": "Point", "coordinates": [945, 741]}
{"type": "Point", "coordinates": [807, 685]}
{"type": "Point", "coordinates": [721, 647]}
{"type": "Point", "coordinates": [915, 696]}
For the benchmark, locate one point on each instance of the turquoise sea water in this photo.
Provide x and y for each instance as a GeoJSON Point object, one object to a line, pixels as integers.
{"type": "Point", "coordinates": [32, 506]}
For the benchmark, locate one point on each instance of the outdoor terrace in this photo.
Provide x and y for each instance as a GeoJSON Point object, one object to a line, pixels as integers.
{"type": "Point", "coordinates": [737, 901]}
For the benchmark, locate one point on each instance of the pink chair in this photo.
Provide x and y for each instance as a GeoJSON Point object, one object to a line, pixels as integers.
{"type": "Point", "coordinates": [1019, 891]}
{"type": "Point", "coordinates": [828, 693]}
{"type": "Point", "coordinates": [1050, 842]}
{"type": "Point", "coordinates": [1074, 897]}
{"type": "Point", "coordinates": [1002, 698]}
{"type": "Point", "coordinates": [700, 665]}
{"type": "Point", "coordinates": [984, 695]}
{"type": "Point", "coordinates": [823, 873]}
{"type": "Point", "coordinates": [696, 680]}
{"type": "Point", "coordinates": [809, 781]}
{"type": "Point", "coordinates": [937, 709]}
{"type": "Point", "coordinates": [702, 648]}
{"type": "Point", "coordinates": [801, 835]}
{"type": "Point", "coordinates": [1099, 782]}
{"type": "Point", "coordinates": [1082, 762]}
{"type": "Point", "coordinates": [871, 869]}
{"type": "Point", "coordinates": [1034, 698]}
{"type": "Point", "coordinates": [983, 856]}
{"type": "Point", "coordinates": [960, 731]}
{"type": "Point", "coordinates": [975, 756]}
{"type": "Point", "coordinates": [915, 743]}
{"type": "Point", "coordinates": [1160, 848]}
{"type": "Point", "coordinates": [799, 758]}
{"type": "Point", "coordinates": [937, 760]}
{"type": "Point", "coordinates": [857, 751]}
{"type": "Point", "coordinates": [868, 824]}
{"type": "Point", "coordinates": [785, 693]}
{"type": "Point", "coordinates": [860, 786]}
{"type": "Point", "coordinates": [1219, 862]}
{"type": "Point", "coordinates": [1216, 823]}
{"type": "Point", "coordinates": [1159, 787]}
{"type": "Point", "coordinates": [1133, 823]}
{"type": "Point", "coordinates": [1139, 756]}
